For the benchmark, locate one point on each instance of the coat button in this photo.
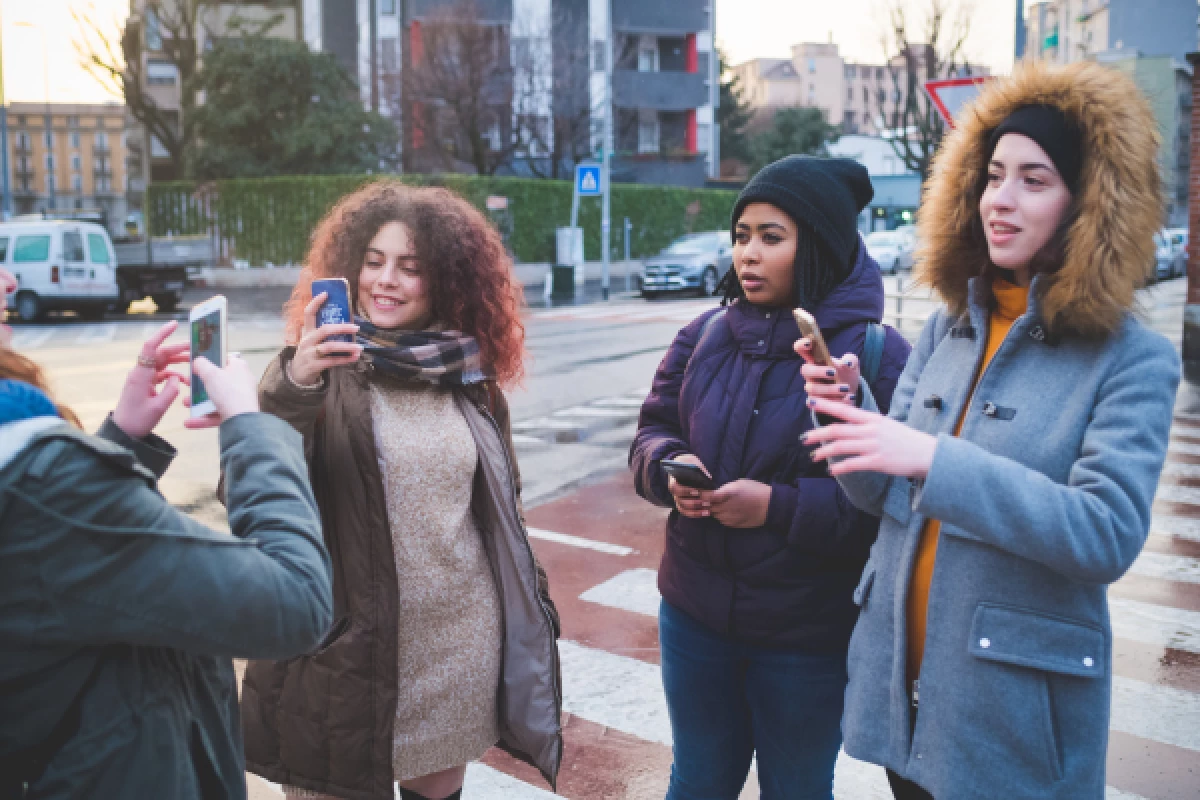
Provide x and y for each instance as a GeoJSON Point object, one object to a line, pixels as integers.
{"type": "Point", "coordinates": [761, 342]}
{"type": "Point", "coordinates": [1088, 662]}
{"type": "Point", "coordinates": [756, 412]}
{"type": "Point", "coordinates": [985, 643]}
{"type": "Point", "coordinates": [920, 755]}
{"type": "Point", "coordinates": [989, 409]}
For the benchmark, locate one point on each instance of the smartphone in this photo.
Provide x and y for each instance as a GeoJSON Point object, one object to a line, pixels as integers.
{"type": "Point", "coordinates": [688, 475]}
{"type": "Point", "coordinates": [809, 330]}
{"type": "Point", "coordinates": [208, 326]}
{"type": "Point", "coordinates": [336, 308]}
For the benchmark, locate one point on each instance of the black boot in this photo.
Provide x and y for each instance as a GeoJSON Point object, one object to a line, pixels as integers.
{"type": "Point", "coordinates": [409, 794]}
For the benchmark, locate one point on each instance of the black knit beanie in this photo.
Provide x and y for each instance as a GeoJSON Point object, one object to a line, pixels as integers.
{"type": "Point", "coordinates": [825, 194]}
{"type": "Point", "coordinates": [1054, 132]}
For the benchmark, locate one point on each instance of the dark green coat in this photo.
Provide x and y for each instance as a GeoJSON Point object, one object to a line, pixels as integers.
{"type": "Point", "coordinates": [119, 615]}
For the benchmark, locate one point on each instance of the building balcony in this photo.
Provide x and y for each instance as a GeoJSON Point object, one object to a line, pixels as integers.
{"type": "Point", "coordinates": [659, 91]}
{"type": "Point", "coordinates": [661, 17]}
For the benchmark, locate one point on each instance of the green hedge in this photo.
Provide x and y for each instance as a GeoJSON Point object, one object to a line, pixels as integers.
{"type": "Point", "coordinates": [270, 219]}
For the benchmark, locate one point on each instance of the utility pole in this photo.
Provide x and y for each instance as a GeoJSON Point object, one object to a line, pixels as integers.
{"type": "Point", "coordinates": [1019, 39]}
{"type": "Point", "coordinates": [606, 155]}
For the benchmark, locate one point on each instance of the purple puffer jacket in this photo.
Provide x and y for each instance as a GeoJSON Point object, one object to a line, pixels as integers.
{"type": "Point", "coordinates": [738, 404]}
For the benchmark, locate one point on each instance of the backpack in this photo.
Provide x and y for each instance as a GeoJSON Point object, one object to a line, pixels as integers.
{"type": "Point", "coordinates": [872, 355]}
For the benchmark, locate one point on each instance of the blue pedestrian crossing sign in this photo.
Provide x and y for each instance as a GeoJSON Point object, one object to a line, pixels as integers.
{"type": "Point", "coordinates": [587, 180]}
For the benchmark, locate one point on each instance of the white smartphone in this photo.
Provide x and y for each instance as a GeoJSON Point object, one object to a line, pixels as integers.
{"type": "Point", "coordinates": [207, 322]}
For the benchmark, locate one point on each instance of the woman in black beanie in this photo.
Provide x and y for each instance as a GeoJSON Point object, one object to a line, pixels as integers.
{"type": "Point", "coordinates": [757, 575]}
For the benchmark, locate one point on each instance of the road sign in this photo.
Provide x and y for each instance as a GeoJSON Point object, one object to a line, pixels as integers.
{"type": "Point", "coordinates": [587, 180]}
{"type": "Point", "coordinates": [949, 96]}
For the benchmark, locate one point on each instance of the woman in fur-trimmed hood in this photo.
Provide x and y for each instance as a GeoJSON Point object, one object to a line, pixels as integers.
{"type": "Point", "coordinates": [1017, 468]}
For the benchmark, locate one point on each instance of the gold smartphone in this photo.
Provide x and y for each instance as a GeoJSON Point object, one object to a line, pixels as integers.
{"type": "Point", "coordinates": [809, 330]}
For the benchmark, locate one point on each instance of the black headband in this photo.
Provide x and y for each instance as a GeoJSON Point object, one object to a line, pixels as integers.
{"type": "Point", "coordinates": [1054, 132]}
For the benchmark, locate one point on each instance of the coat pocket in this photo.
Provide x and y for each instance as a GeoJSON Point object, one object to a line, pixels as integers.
{"type": "Point", "coordinates": [1032, 653]}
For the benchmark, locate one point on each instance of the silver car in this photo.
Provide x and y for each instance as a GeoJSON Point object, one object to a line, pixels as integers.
{"type": "Point", "coordinates": [892, 250]}
{"type": "Point", "coordinates": [693, 262]}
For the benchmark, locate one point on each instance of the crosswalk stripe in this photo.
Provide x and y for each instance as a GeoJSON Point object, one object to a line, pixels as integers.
{"type": "Point", "coordinates": [636, 590]}
{"type": "Point", "coordinates": [1183, 449]}
{"type": "Point", "coordinates": [485, 783]}
{"type": "Point", "coordinates": [34, 338]}
{"type": "Point", "coordinates": [1155, 625]}
{"type": "Point", "coordinates": [95, 334]}
{"type": "Point", "coordinates": [1175, 469]}
{"type": "Point", "coordinates": [1178, 494]}
{"type": "Point", "coordinates": [579, 541]}
{"type": "Point", "coordinates": [1116, 794]}
{"type": "Point", "coordinates": [1159, 713]}
{"type": "Point", "coordinates": [1179, 527]}
{"type": "Point", "coordinates": [1167, 567]}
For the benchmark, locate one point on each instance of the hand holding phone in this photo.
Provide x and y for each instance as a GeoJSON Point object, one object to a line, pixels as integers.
{"type": "Point", "coordinates": [208, 324]}
{"type": "Point", "coordinates": [824, 376]}
{"type": "Point", "coordinates": [232, 390]}
{"type": "Point", "coordinates": [688, 474]}
{"type": "Point", "coordinates": [325, 345]}
{"type": "Point", "coordinates": [336, 309]}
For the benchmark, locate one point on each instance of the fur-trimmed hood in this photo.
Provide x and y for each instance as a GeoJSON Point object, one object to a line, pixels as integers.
{"type": "Point", "coordinates": [1109, 247]}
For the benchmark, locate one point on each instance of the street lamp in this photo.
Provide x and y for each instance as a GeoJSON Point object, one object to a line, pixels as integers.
{"type": "Point", "coordinates": [49, 139]}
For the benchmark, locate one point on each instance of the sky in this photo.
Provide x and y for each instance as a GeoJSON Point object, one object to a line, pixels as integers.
{"type": "Point", "coordinates": [746, 29]}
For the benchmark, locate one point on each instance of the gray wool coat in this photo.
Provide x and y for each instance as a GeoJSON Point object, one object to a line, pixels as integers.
{"type": "Point", "coordinates": [1044, 500]}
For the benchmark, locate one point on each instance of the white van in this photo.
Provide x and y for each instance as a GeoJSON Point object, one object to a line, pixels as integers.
{"type": "Point", "coordinates": [59, 265]}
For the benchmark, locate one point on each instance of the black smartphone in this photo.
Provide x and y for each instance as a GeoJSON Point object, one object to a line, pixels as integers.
{"type": "Point", "coordinates": [688, 475]}
{"type": "Point", "coordinates": [336, 308]}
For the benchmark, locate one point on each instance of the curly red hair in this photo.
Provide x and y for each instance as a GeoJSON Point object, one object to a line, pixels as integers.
{"type": "Point", "coordinates": [470, 277]}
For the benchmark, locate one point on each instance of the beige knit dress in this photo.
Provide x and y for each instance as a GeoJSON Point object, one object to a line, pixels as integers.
{"type": "Point", "coordinates": [451, 622]}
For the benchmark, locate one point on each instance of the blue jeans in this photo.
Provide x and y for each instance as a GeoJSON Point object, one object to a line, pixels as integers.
{"type": "Point", "coordinates": [730, 702]}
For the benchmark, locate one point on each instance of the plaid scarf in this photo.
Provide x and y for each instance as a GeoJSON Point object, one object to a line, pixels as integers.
{"type": "Point", "coordinates": [446, 358]}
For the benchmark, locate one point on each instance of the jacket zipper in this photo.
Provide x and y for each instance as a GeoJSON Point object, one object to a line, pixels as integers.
{"type": "Point", "coordinates": [556, 667]}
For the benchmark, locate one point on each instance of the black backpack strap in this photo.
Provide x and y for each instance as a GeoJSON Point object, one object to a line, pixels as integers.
{"type": "Point", "coordinates": [872, 355]}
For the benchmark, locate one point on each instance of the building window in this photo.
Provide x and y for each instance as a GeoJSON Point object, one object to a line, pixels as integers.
{"type": "Point", "coordinates": [599, 55]}
{"type": "Point", "coordinates": [812, 65]}
{"type": "Point", "coordinates": [849, 94]}
{"type": "Point", "coordinates": [49, 161]}
{"type": "Point", "coordinates": [703, 138]}
{"type": "Point", "coordinates": [23, 140]}
{"type": "Point", "coordinates": [647, 58]}
{"type": "Point", "coordinates": [648, 133]}
{"type": "Point", "coordinates": [388, 59]}
{"type": "Point", "coordinates": [77, 183]}
{"type": "Point", "coordinates": [849, 73]}
{"type": "Point", "coordinates": [76, 163]}
{"type": "Point", "coordinates": [161, 73]}
{"type": "Point", "coordinates": [49, 137]}
{"type": "Point", "coordinates": [49, 184]}
{"type": "Point", "coordinates": [866, 73]}
{"type": "Point", "coordinates": [895, 95]}
{"type": "Point", "coordinates": [387, 8]}
{"type": "Point", "coordinates": [101, 140]}
{"type": "Point", "coordinates": [849, 120]}
{"type": "Point", "coordinates": [881, 95]}
{"type": "Point", "coordinates": [866, 96]}
{"type": "Point", "coordinates": [879, 73]}
{"type": "Point", "coordinates": [153, 31]}
{"type": "Point", "coordinates": [75, 139]}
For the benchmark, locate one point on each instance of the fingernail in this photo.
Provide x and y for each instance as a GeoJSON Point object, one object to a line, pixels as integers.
{"type": "Point", "coordinates": [844, 389]}
{"type": "Point", "coordinates": [831, 373]}
{"type": "Point", "coordinates": [811, 402]}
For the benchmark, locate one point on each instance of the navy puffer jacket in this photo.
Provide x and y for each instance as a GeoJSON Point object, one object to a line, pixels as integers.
{"type": "Point", "coordinates": [738, 403]}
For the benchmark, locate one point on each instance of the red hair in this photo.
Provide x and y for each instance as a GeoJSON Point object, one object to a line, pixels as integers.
{"type": "Point", "coordinates": [470, 277]}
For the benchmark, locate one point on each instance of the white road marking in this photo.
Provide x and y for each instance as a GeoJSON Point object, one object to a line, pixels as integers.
{"type": "Point", "coordinates": [1173, 493]}
{"type": "Point", "coordinates": [579, 541]}
{"type": "Point", "coordinates": [597, 412]}
{"type": "Point", "coordinates": [1155, 625]}
{"type": "Point", "coordinates": [1167, 567]}
{"type": "Point", "coordinates": [633, 590]}
{"type": "Point", "coordinates": [1116, 794]}
{"type": "Point", "coordinates": [485, 783]}
{"type": "Point", "coordinates": [29, 339]}
{"type": "Point", "coordinates": [1179, 527]}
{"type": "Point", "coordinates": [95, 334]}
{"type": "Point", "coordinates": [1161, 713]}
{"type": "Point", "coordinates": [1175, 469]}
{"type": "Point", "coordinates": [1183, 449]}
{"type": "Point", "coordinates": [617, 691]}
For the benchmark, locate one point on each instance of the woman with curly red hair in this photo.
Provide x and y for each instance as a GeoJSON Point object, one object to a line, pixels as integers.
{"type": "Point", "coordinates": [443, 642]}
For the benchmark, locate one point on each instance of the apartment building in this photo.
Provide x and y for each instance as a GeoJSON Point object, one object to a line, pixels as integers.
{"type": "Point", "coordinates": [80, 162]}
{"type": "Point", "coordinates": [214, 21]}
{"type": "Point", "coordinates": [1064, 31]}
{"type": "Point", "coordinates": [852, 94]}
{"type": "Point", "coordinates": [664, 72]}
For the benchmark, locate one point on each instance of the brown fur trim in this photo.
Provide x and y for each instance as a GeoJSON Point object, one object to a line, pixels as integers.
{"type": "Point", "coordinates": [1109, 251]}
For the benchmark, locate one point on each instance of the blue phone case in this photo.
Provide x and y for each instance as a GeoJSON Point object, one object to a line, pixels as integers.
{"type": "Point", "coordinates": [336, 308]}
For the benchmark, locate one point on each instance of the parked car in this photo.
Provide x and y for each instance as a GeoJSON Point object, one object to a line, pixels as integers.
{"type": "Point", "coordinates": [1178, 239]}
{"type": "Point", "coordinates": [694, 262]}
{"type": "Point", "coordinates": [1166, 259]}
{"type": "Point", "coordinates": [905, 262]}
{"type": "Point", "coordinates": [160, 271]}
{"type": "Point", "coordinates": [59, 265]}
{"type": "Point", "coordinates": [891, 250]}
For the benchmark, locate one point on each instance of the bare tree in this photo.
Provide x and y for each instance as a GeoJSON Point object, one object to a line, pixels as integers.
{"type": "Point", "coordinates": [173, 31]}
{"type": "Point", "coordinates": [459, 92]}
{"type": "Point", "coordinates": [915, 128]}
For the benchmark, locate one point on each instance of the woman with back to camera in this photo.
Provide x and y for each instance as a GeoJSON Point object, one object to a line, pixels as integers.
{"type": "Point", "coordinates": [443, 642]}
{"type": "Point", "coordinates": [119, 614]}
{"type": "Point", "coordinates": [1019, 464]}
{"type": "Point", "coordinates": [757, 576]}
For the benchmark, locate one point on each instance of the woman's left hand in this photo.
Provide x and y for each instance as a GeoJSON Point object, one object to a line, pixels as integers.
{"type": "Point", "coordinates": [742, 504]}
{"type": "Point", "coordinates": [869, 442]}
{"type": "Point", "coordinates": [142, 405]}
